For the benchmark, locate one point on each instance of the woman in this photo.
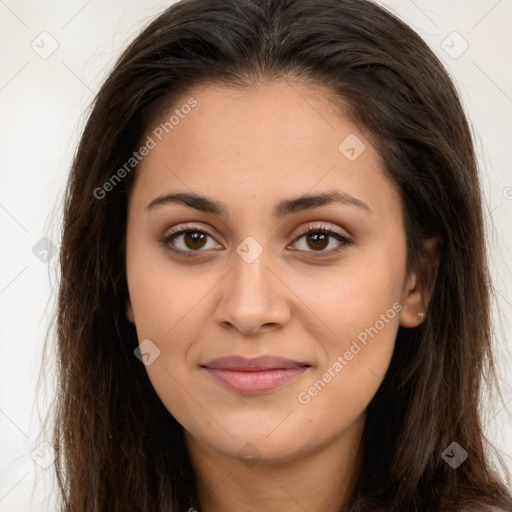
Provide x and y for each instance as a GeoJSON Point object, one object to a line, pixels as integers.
{"type": "Point", "coordinates": [274, 290]}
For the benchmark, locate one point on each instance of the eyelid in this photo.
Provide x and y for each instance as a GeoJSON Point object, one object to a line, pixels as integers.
{"type": "Point", "coordinates": [312, 227]}
{"type": "Point", "coordinates": [187, 227]}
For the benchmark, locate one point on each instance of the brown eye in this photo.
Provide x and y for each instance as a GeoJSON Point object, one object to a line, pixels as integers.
{"type": "Point", "coordinates": [317, 238]}
{"type": "Point", "coordinates": [188, 241]}
{"type": "Point", "coordinates": [191, 241]}
{"type": "Point", "coordinates": [317, 241]}
{"type": "Point", "coordinates": [194, 239]}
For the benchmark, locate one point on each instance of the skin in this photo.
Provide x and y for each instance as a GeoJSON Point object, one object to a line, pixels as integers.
{"type": "Point", "coordinates": [249, 149]}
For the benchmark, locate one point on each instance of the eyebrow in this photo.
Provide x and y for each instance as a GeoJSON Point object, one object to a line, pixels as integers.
{"type": "Point", "coordinates": [281, 209]}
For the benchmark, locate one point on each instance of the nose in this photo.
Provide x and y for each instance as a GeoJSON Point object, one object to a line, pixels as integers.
{"type": "Point", "coordinates": [253, 297]}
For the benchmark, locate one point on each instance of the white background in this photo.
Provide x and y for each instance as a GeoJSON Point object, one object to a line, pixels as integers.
{"type": "Point", "coordinates": [43, 106]}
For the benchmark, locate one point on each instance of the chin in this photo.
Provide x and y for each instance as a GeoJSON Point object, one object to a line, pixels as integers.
{"type": "Point", "coordinates": [259, 442]}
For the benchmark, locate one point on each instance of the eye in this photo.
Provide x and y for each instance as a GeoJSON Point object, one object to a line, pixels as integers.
{"type": "Point", "coordinates": [188, 240]}
{"type": "Point", "coordinates": [317, 239]}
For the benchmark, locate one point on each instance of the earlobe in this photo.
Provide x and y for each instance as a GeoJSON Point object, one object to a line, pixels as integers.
{"type": "Point", "coordinates": [412, 313]}
{"type": "Point", "coordinates": [417, 295]}
{"type": "Point", "coordinates": [408, 318]}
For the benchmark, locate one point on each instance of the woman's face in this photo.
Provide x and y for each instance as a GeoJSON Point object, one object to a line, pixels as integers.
{"type": "Point", "coordinates": [255, 284]}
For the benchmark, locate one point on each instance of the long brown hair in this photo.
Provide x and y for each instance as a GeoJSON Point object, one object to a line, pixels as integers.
{"type": "Point", "coordinates": [118, 448]}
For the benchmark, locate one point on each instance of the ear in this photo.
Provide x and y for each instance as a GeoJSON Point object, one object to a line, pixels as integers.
{"type": "Point", "coordinates": [129, 311]}
{"type": "Point", "coordinates": [416, 296]}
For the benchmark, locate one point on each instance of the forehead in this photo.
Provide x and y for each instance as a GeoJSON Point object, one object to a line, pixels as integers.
{"type": "Point", "coordinates": [274, 140]}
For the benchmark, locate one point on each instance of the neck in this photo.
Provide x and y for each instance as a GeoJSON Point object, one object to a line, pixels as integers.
{"type": "Point", "coordinates": [320, 480]}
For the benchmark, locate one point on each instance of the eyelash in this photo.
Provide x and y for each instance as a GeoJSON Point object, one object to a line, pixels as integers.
{"type": "Point", "coordinates": [344, 241]}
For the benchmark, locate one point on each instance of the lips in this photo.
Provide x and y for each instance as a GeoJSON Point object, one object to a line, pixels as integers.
{"type": "Point", "coordinates": [254, 376]}
{"type": "Point", "coordinates": [257, 364]}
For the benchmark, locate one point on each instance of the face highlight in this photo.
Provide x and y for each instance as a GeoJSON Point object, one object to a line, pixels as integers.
{"type": "Point", "coordinates": [262, 225]}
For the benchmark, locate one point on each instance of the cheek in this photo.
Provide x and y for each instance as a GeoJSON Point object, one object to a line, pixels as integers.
{"type": "Point", "coordinates": [359, 310]}
{"type": "Point", "coordinates": [355, 360]}
{"type": "Point", "coordinates": [166, 303]}
{"type": "Point", "coordinates": [164, 297]}
{"type": "Point", "coordinates": [353, 295]}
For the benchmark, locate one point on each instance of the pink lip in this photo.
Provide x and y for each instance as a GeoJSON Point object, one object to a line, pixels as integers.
{"type": "Point", "coordinates": [254, 376]}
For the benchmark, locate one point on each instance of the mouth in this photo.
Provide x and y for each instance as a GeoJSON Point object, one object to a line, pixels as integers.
{"type": "Point", "coordinates": [254, 376]}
